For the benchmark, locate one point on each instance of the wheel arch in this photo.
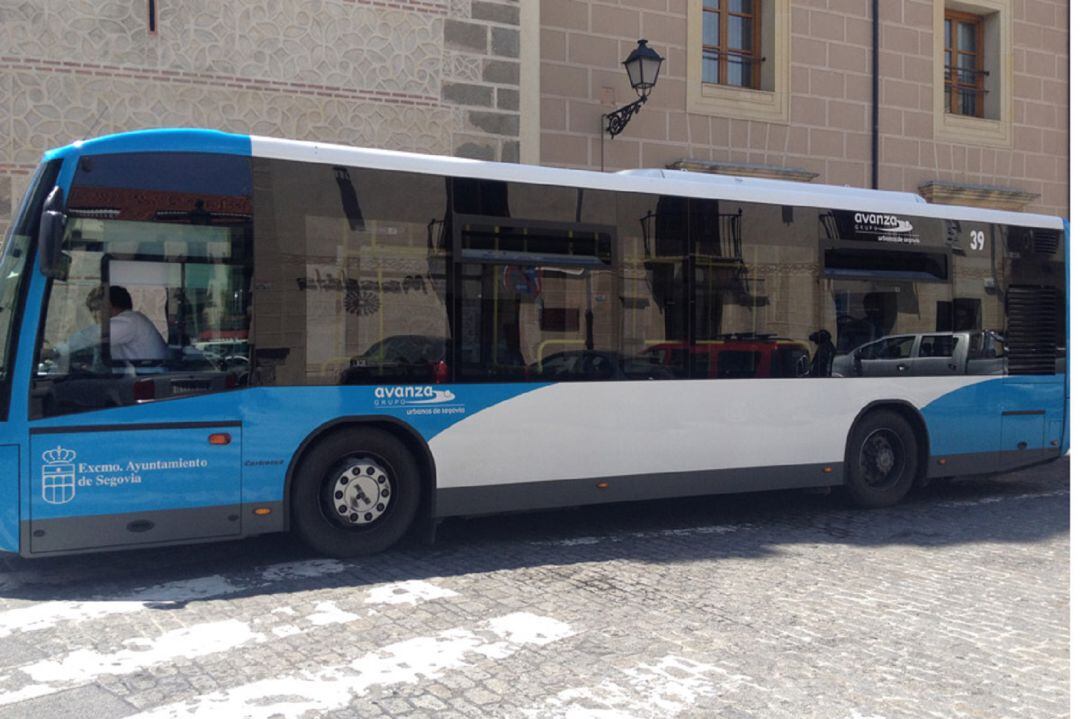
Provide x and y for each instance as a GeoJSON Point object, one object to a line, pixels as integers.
{"type": "Point", "coordinates": [400, 430]}
{"type": "Point", "coordinates": [911, 415]}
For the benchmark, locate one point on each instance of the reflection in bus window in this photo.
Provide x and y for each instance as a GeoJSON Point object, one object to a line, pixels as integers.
{"type": "Point", "coordinates": [537, 286]}
{"type": "Point", "coordinates": [350, 275]}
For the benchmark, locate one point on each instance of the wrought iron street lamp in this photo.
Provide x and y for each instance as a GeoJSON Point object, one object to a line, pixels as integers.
{"type": "Point", "coordinates": [643, 68]}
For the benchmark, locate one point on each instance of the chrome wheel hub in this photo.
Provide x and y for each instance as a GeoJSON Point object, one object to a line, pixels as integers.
{"type": "Point", "coordinates": [359, 491]}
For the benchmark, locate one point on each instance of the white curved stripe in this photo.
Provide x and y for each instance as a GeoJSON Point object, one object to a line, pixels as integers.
{"type": "Point", "coordinates": [610, 429]}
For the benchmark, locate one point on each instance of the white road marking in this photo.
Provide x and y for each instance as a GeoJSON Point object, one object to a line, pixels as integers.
{"type": "Point", "coordinates": [83, 666]}
{"type": "Point", "coordinates": [32, 691]}
{"type": "Point", "coordinates": [49, 614]}
{"type": "Point", "coordinates": [86, 665]}
{"type": "Point", "coordinates": [412, 591]}
{"type": "Point", "coordinates": [656, 690]}
{"type": "Point", "coordinates": [329, 613]}
{"type": "Point", "coordinates": [405, 662]}
{"type": "Point", "coordinates": [304, 569]}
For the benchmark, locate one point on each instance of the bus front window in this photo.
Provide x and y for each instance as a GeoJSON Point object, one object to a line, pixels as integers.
{"type": "Point", "coordinates": [13, 263]}
{"type": "Point", "coordinates": [155, 304]}
{"type": "Point", "coordinates": [12, 269]}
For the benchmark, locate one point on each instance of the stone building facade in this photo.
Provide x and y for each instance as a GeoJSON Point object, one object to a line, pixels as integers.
{"type": "Point", "coordinates": [438, 76]}
{"type": "Point", "coordinates": [528, 81]}
{"type": "Point", "coordinates": [812, 114]}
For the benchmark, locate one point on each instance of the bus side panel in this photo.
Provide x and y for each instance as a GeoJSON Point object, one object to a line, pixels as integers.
{"type": "Point", "coordinates": [967, 421]}
{"type": "Point", "coordinates": [701, 435]}
{"type": "Point", "coordinates": [1031, 419]}
{"type": "Point", "coordinates": [9, 498]}
{"type": "Point", "coordinates": [278, 420]}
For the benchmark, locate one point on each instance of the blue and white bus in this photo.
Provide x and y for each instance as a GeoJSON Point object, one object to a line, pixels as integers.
{"type": "Point", "coordinates": [343, 342]}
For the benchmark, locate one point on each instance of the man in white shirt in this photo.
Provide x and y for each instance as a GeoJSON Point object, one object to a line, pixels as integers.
{"type": "Point", "coordinates": [132, 336]}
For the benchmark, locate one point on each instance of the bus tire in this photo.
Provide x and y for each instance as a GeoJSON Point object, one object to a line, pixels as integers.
{"type": "Point", "coordinates": [881, 460]}
{"type": "Point", "coordinates": [355, 493]}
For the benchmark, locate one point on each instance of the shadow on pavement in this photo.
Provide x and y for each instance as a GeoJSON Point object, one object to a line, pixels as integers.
{"type": "Point", "coordinates": [1030, 506]}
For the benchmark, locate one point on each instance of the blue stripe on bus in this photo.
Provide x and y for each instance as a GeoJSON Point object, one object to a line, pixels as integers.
{"type": "Point", "coordinates": [167, 140]}
{"type": "Point", "coordinates": [965, 420]}
{"type": "Point", "coordinates": [968, 420]}
{"type": "Point", "coordinates": [278, 420]}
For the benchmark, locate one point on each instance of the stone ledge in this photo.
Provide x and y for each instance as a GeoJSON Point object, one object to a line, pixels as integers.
{"type": "Point", "coordinates": [956, 193]}
{"type": "Point", "coordinates": [772, 172]}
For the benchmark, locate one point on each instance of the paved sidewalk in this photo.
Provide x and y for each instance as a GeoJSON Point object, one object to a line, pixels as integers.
{"type": "Point", "coordinates": [954, 604]}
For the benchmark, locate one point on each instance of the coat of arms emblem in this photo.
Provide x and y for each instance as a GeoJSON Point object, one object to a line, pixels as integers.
{"type": "Point", "coordinates": [58, 475]}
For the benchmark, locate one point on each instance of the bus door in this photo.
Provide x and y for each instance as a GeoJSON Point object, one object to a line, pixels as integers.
{"type": "Point", "coordinates": [98, 486]}
{"type": "Point", "coordinates": [134, 436]}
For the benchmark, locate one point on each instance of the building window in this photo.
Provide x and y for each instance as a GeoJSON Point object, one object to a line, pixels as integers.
{"type": "Point", "coordinates": [973, 92]}
{"type": "Point", "coordinates": [745, 67]}
{"type": "Point", "coordinates": [731, 43]}
{"type": "Point", "coordinates": [965, 76]}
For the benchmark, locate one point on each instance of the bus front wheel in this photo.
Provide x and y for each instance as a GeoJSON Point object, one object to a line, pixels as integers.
{"type": "Point", "coordinates": [355, 493]}
{"type": "Point", "coordinates": [881, 461]}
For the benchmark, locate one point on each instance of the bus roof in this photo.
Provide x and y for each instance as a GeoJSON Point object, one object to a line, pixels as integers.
{"type": "Point", "coordinates": [775, 185]}
{"type": "Point", "coordinates": [654, 181]}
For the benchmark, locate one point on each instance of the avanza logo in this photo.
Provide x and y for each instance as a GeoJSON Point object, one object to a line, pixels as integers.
{"type": "Point", "coordinates": [882, 223]}
{"type": "Point", "coordinates": [411, 396]}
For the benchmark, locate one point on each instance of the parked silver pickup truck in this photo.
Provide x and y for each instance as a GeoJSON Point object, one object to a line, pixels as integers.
{"type": "Point", "coordinates": [925, 354]}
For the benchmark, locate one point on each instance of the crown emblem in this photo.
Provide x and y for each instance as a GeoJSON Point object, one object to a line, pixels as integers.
{"type": "Point", "coordinates": [58, 455]}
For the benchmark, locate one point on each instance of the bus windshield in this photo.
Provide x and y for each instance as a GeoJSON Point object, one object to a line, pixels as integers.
{"type": "Point", "coordinates": [16, 252]}
{"type": "Point", "coordinates": [155, 300]}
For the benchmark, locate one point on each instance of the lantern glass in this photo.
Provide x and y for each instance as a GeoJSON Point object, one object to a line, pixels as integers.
{"type": "Point", "coordinates": [650, 71]}
{"type": "Point", "coordinates": [636, 72]}
{"type": "Point", "coordinates": [643, 67]}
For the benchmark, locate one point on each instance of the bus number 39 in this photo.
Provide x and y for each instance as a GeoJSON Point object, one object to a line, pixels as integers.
{"type": "Point", "coordinates": [978, 239]}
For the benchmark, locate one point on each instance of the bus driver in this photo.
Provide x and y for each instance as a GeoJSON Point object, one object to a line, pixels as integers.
{"type": "Point", "coordinates": [132, 336]}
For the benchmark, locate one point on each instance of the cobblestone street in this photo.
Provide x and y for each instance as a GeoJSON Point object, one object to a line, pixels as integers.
{"type": "Point", "coordinates": [954, 604]}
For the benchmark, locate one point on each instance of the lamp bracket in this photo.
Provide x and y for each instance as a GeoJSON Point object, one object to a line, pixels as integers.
{"type": "Point", "coordinates": [619, 119]}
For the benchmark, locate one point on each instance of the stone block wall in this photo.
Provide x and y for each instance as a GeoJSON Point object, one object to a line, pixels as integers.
{"type": "Point", "coordinates": [438, 76]}
{"type": "Point", "coordinates": [583, 42]}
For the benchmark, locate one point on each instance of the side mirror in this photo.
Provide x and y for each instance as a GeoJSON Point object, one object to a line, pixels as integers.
{"type": "Point", "coordinates": [54, 263]}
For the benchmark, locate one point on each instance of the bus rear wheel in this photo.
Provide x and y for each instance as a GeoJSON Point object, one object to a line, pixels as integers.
{"type": "Point", "coordinates": [355, 493]}
{"type": "Point", "coordinates": [881, 461]}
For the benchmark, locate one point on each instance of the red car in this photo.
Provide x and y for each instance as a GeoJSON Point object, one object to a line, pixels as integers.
{"type": "Point", "coordinates": [739, 356]}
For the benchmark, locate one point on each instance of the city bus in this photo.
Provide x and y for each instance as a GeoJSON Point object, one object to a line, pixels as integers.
{"type": "Point", "coordinates": [207, 335]}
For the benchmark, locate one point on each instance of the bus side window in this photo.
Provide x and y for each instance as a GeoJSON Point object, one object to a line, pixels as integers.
{"type": "Point", "coordinates": [351, 275]}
